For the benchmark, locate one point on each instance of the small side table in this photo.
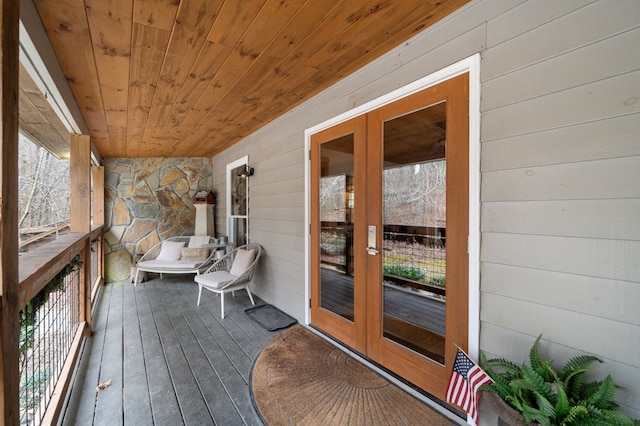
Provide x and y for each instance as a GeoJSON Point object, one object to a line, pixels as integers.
{"type": "Point", "coordinates": [215, 246]}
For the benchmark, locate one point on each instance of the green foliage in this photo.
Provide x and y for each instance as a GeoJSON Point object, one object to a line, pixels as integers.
{"type": "Point", "coordinates": [437, 280]}
{"type": "Point", "coordinates": [29, 312]}
{"type": "Point", "coordinates": [548, 396]}
{"type": "Point", "coordinates": [408, 272]}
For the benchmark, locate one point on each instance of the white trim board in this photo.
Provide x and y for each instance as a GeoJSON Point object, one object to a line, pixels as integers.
{"type": "Point", "coordinates": [230, 227]}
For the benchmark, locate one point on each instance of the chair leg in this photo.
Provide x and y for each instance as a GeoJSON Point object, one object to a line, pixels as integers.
{"type": "Point", "coordinates": [250, 297]}
{"type": "Point", "coordinates": [222, 305]}
{"type": "Point", "coordinates": [199, 293]}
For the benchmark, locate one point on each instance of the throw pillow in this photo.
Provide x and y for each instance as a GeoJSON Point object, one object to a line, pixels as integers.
{"type": "Point", "coordinates": [170, 250]}
{"type": "Point", "coordinates": [242, 261]}
{"type": "Point", "coordinates": [194, 254]}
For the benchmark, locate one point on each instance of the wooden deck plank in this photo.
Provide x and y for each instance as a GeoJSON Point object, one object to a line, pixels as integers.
{"type": "Point", "coordinates": [229, 358]}
{"type": "Point", "coordinates": [136, 400]}
{"type": "Point", "coordinates": [170, 361]}
{"type": "Point", "coordinates": [205, 357]}
{"type": "Point", "coordinates": [109, 406]}
{"type": "Point", "coordinates": [164, 404]}
{"type": "Point", "coordinates": [81, 407]}
{"type": "Point", "coordinates": [190, 399]}
{"type": "Point", "coordinates": [237, 355]}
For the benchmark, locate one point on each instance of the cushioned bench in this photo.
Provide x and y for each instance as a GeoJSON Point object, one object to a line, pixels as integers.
{"type": "Point", "coordinates": [177, 255]}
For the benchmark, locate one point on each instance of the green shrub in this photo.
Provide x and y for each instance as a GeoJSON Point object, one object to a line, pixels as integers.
{"type": "Point", "coordinates": [407, 272]}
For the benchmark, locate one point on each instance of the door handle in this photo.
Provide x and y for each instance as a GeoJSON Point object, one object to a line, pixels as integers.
{"type": "Point", "coordinates": [371, 241]}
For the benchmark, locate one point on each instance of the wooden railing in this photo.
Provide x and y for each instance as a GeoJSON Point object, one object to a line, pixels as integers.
{"type": "Point", "coordinates": [422, 245]}
{"type": "Point", "coordinates": [41, 232]}
{"type": "Point", "coordinates": [39, 267]}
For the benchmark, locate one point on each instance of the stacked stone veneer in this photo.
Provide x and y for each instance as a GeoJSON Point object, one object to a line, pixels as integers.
{"type": "Point", "coordinates": [146, 201]}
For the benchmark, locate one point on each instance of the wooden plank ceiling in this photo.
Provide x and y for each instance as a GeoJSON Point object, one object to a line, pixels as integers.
{"type": "Point", "coordinates": [171, 78]}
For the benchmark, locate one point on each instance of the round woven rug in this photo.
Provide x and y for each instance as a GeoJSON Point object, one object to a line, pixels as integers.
{"type": "Point", "coordinates": [300, 379]}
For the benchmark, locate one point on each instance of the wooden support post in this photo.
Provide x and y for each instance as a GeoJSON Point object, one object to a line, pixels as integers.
{"type": "Point", "coordinates": [9, 322]}
{"type": "Point", "coordinates": [80, 173]}
{"type": "Point", "coordinates": [97, 174]}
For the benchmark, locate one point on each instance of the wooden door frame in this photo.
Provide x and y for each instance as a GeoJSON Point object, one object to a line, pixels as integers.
{"type": "Point", "coordinates": [423, 371]}
{"type": "Point", "coordinates": [469, 65]}
{"type": "Point", "coordinates": [350, 332]}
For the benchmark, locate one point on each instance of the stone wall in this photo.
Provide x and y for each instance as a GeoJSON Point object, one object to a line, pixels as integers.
{"type": "Point", "coordinates": [148, 200]}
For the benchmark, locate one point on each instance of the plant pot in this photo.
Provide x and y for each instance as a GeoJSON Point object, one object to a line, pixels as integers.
{"type": "Point", "coordinates": [507, 415]}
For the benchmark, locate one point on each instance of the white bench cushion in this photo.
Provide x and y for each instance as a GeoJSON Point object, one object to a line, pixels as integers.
{"type": "Point", "coordinates": [168, 264]}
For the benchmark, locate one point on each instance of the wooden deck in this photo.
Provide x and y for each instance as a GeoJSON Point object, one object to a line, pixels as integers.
{"type": "Point", "coordinates": [421, 311]}
{"type": "Point", "coordinates": [170, 362]}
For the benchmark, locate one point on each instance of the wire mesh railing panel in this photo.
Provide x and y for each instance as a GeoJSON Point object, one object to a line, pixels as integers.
{"type": "Point", "coordinates": [417, 255]}
{"type": "Point", "coordinates": [48, 325]}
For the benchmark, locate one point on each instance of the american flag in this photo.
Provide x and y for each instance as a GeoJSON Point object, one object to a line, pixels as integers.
{"type": "Point", "coordinates": [466, 379]}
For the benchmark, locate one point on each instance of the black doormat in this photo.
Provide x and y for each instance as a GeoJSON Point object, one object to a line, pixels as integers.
{"type": "Point", "coordinates": [270, 317]}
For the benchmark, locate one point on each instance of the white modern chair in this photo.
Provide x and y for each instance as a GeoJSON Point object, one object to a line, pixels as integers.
{"type": "Point", "coordinates": [230, 273]}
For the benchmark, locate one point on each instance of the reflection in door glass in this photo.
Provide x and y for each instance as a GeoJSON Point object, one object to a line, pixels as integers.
{"type": "Point", "coordinates": [414, 241]}
{"type": "Point", "coordinates": [336, 226]}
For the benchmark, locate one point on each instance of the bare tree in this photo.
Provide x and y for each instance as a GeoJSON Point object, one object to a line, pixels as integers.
{"type": "Point", "coordinates": [43, 186]}
{"type": "Point", "coordinates": [415, 194]}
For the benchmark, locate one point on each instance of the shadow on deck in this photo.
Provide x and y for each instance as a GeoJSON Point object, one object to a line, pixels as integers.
{"type": "Point", "coordinates": [169, 361]}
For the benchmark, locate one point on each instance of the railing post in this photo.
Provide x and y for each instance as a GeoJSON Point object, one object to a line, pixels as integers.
{"type": "Point", "coordinates": [85, 286]}
{"type": "Point", "coordinates": [97, 203]}
{"type": "Point", "coordinates": [9, 322]}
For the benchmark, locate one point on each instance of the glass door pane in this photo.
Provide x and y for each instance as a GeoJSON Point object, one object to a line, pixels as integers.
{"type": "Point", "coordinates": [238, 217]}
{"type": "Point", "coordinates": [414, 234]}
{"type": "Point", "coordinates": [336, 204]}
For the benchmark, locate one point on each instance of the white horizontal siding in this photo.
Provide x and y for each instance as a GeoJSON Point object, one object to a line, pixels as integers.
{"type": "Point", "coordinates": [294, 186]}
{"type": "Point", "coordinates": [608, 219]}
{"type": "Point", "coordinates": [560, 185]}
{"type": "Point", "coordinates": [571, 29]}
{"type": "Point", "coordinates": [278, 213]}
{"type": "Point", "coordinates": [606, 298]}
{"type": "Point", "coordinates": [609, 259]}
{"type": "Point", "coordinates": [278, 226]}
{"type": "Point", "coordinates": [597, 61]}
{"type": "Point", "coordinates": [603, 179]}
{"type": "Point", "coordinates": [527, 16]}
{"type": "Point", "coordinates": [517, 313]}
{"type": "Point", "coordinates": [610, 138]}
{"type": "Point", "coordinates": [606, 98]}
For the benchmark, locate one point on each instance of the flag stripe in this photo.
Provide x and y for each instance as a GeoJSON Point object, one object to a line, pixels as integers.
{"type": "Point", "coordinates": [464, 384]}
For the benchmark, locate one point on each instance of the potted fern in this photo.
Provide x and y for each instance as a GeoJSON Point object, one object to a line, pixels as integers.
{"type": "Point", "coordinates": [536, 393]}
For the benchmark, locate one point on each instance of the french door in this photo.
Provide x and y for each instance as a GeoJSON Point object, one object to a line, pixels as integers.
{"type": "Point", "coordinates": [389, 229]}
